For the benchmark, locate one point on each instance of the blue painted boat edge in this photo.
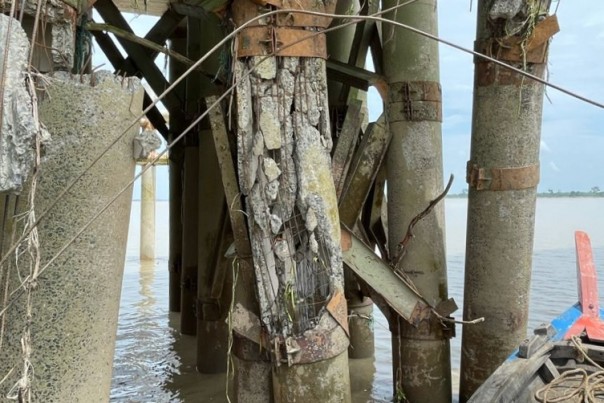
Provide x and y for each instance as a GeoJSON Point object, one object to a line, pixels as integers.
{"type": "Point", "coordinates": [564, 322]}
{"type": "Point", "coordinates": [561, 325]}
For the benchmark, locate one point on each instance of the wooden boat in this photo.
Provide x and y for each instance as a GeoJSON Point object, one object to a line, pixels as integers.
{"type": "Point", "coordinates": [564, 360]}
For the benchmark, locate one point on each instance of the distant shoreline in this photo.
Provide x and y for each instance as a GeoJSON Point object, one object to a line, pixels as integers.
{"type": "Point", "coordinates": [560, 195]}
{"type": "Point", "coordinates": [548, 195]}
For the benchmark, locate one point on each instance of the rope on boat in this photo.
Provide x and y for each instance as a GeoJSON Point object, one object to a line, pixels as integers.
{"type": "Point", "coordinates": [575, 383]}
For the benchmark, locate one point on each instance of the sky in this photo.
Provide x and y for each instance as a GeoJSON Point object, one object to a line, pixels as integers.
{"type": "Point", "coordinates": [572, 139]}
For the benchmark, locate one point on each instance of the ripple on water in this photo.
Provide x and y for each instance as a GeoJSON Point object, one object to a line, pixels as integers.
{"type": "Point", "coordinates": [150, 364]}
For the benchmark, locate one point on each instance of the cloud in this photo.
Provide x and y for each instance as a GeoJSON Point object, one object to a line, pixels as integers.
{"type": "Point", "coordinates": [544, 147]}
{"type": "Point", "coordinates": [553, 166]}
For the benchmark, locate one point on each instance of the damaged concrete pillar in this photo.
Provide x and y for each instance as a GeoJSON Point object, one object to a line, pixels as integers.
{"type": "Point", "coordinates": [145, 144]}
{"type": "Point", "coordinates": [55, 42]}
{"type": "Point", "coordinates": [147, 237]}
{"type": "Point", "coordinates": [421, 354]}
{"type": "Point", "coordinates": [503, 173]}
{"type": "Point", "coordinates": [76, 299]}
{"type": "Point", "coordinates": [284, 140]}
{"type": "Point", "coordinates": [18, 124]}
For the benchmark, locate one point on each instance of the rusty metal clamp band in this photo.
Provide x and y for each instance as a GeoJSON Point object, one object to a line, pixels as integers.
{"type": "Point", "coordinates": [520, 50]}
{"type": "Point", "coordinates": [269, 40]}
{"type": "Point", "coordinates": [499, 179]}
{"type": "Point", "coordinates": [415, 101]}
{"type": "Point", "coordinates": [285, 34]}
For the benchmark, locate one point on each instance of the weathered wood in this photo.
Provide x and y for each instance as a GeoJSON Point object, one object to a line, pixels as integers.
{"type": "Point", "coordinates": [346, 144]}
{"type": "Point", "coordinates": [548, 371]}
{"type": "Point", "coordinates": [363, 170]}
{"type": "Point", "coordinates": [511, 381]}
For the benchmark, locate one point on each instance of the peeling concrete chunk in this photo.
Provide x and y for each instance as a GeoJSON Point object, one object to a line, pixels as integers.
{"type": "Point", "coordinates": [282, 250]}
{"type": "Point", "coordinates": [271, 170]}
{"type": "Point", "coordinates": [266, 68]}
{"type": "Point", "coordinates": [19, 127]}
{"type": "Point", "coordinates": [314, 245]}
{"type": "Point", "coordinates": [269, 124]}
{"type": "Point", "coordinates": [311, 220]}
{"type": "Point", "coordinates": [506, 9]}
{"type": "Point", "coordinates": [272, 190]}
{"type": "Point", "coordinates": [276, 223]}
{"type": "Point", "coordinates": [144, 143]}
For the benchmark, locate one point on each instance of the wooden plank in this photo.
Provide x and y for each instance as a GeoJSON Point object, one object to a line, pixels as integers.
{"type": "Point", "coordinates": [511, 379]}
{"type": "Point", "coordinates": [346, 143]}
{"type": "Point", "coordinates": [548, 371]}
{"type": "Point", "coordinates": [115, 58]}
{"type": "Point", "coordinates": [229, 179]}
{"type": "Point", "coordinates": [363, 170]}
{"type": "Point", "coordinates": [142, 62]}
{"type": "Point", "coordinates": [381, 279]}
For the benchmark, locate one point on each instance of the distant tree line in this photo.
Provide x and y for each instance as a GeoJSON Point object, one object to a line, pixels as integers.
{"type": "Point", "coordinates": [593, 192]}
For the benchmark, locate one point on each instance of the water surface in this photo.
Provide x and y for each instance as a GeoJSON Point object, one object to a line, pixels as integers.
{"type": "Point", "coordinates": [154, 363]}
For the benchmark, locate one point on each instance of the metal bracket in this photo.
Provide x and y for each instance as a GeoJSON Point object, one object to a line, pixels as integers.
{"type": "Point", "coordinates": [415, 101]}
{"type": "Point", "coordinates": [284, 34]}
{"type": "Point", "coordinates": [338, 309]}
{"type": "Point", "coordinates": [270, 40]}
{"type": "Point", "coordinates": [326, 341]}
{"type": "Point", "coordinates": [498, 179]}
{"type": "Point", "coordinates": [518, 49]}
{"type": "Point", "coordinates": [243, 8]}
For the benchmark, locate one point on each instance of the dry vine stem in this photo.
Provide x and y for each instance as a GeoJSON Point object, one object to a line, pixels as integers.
{"type": "Point", "coordinates": [409, 235]}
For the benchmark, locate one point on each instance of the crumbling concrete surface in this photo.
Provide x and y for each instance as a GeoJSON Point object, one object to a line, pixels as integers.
{"type": "Point", "coordinates": [146, 141]}
{"type": "Point", "coordinates": [74, 308]}
{"type": "Point", "coordinates": [55, 44]}
{"type": "Point", "coordinates": [18, 124]}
